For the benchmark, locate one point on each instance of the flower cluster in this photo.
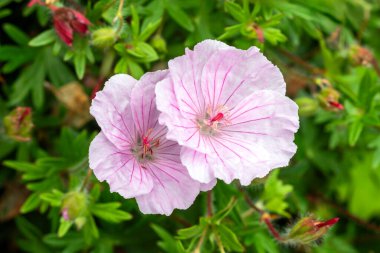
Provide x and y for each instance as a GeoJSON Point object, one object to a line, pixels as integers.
{"type": "Point", "coordinates": [217, 113]}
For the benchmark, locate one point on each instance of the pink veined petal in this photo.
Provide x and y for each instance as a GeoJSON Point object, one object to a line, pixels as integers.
{"type": "Point", "coordinates": [227, 82]}
{"type": "Point", "coordinates": [119, 168]}
{"type": "Point", "coordinates": [268, 119]}
{"type": "Point", "coordinates": [208, 186]}
{"type": "Point", "coordinates": [173, 189]}
{"type": "Point", "coordinates": [186, 74]}
{"type": "Point", "coordinates": [143, 103]}
{"type": "Point", "coordinates": [112, 111]}
{"type": "Point", "coordinates": [183, 130]}
{"type": "Point", "coordinates": [198, 165]}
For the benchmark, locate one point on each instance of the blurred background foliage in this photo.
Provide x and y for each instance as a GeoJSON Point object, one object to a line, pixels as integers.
{"type": "Point", "coordinates": [55, 55]}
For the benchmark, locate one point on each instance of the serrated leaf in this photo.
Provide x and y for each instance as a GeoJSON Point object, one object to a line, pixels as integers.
{"type": "Point", "coordinates": [275, 192]}
{"type": "Point", "coordinates": [43, 39]}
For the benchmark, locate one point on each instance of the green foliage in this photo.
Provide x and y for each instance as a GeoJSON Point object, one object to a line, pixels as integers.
{"type": "Point", "coordinates": [328, 52]}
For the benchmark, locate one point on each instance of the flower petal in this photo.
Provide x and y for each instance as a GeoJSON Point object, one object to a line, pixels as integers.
{"type": "Point", "coordinates": [186, 74]}
{"type": "Point", "coordinates": [226, 82]}
{"type": "Point", "coordinates": [173, 189]}
{"type": "Point", "coordinates": [181, 129]}
{"type": "Point", "coordinates": [268, 120]}
{"type": "Point", "coordinates": [143, 102]}
{"type": "Point", "coordinates": [111, 109]}
{"type": "Point", "coordinates": [119, 168]}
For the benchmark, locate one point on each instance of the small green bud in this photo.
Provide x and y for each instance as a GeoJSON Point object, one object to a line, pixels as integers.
{"type": "Point", "coordinates": [104, 37]}
{"type": "Point", "coordinates": [159, 43]}
{"type": "Point", "coordinates": [74, 205]}
{"type": "Point", "coordinates": [18, 124]}
{"type": "Point", "coordinates": [307, 106]}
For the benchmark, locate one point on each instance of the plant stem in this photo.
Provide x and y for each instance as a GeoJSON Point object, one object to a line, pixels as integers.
{"type": "Point", "coordinates": [200, 242]}
{"type": "Point", "coordinates": [86, 179]}
{"type": "Point", "coordinates": [219, 242]}
{"type": "Point", "coordinates": [119, 16]}
{"type": "Point", "coordinates": [209, 203]}
{"type": "Point", "coordinates": [264, 216]}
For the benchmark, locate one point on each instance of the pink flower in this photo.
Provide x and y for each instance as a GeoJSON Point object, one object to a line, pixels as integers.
{"type": "Point", "coordinates": [227, 108]}
{"type": "Point", "coordinates": [131, 152]}
{"type": "Point", "coordinates": [67, 21]}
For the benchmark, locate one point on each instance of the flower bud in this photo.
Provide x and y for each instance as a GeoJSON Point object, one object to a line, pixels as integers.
{"type": "Point", "coordinates": [308, 230]}
{"type": "Point", "coordinates": [73, 205]}
{"type": "Point", "coordinates": [360, 56]}
{"type": "Point", "coordinates": [18, 124]}
{"type": "Point", "coordinates": [67, 21]}
{"type": "Point", "coordinates": [104, 37]}
{"type": "Point", "coordinates": [328, 97]}
{"type": "Point", "coordinates": [307, 106]}
{"type": "Point", "coordinates": [159, 43]}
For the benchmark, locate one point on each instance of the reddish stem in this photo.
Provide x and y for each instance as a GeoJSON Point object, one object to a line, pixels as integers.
{"type": "Point", "coordinates": [272, 229]}
{"type": "Point", "coordinates": [209, 203]}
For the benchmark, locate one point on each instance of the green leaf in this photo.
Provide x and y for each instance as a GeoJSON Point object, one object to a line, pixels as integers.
{"type": "Point", "coordinates": [54, 198]}
{"type": "Point", "coordinates": [16, 34]}
{"type": "Point", "coordinates": [191, 232]}
{"type": "Point", "coordinates": [354, 131]}
{"type": "Point", "coordinates": [168, 243]}
{"type": "Point", "coordinates": [80, 64]}
{"type": "Point", "coordinates": [64, 227]}
{"type": "Point", "coordinates": [31, 203]}
{"type": "Point", "coordinates": [110, 212]}
{"type": "Point", "coordinates": [229, 238]}
{"type": "Point", "coordinates": [219, 216]}
{"type": "Point", "coordinates": [275, 192]}
{"type": "Point", "coordinates": [149, 30]}
{"type": "Point", "coordinates": [179, 15]}
{"type": "Point", "coordinates": [43, 39]}
{"type": "Point", "coordinates": [376, 154]}
{"type": "Point", "coordinates": [236, 11]}
{"type": "Point", "coordinates": [143, 52]}
{"type": "Point", "coordinates": [135, 23]}
{"type": "Point", "coordinates": [135, 69]}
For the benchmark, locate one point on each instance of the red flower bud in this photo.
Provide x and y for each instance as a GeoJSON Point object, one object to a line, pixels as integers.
{"type": "Point", "coordinates": [67, 21]}
{"type": "Point", "coordinates": [308, 230]}
{"type": "Point", "coordinates": [18, 124]}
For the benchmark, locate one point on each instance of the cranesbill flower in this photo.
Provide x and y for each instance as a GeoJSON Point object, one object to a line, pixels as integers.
{"type": "Point", "coordinates": [131, 152]}
{"type": "Point", "coordinates": [227, 108]}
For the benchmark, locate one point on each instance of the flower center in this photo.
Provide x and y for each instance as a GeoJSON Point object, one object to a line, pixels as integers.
{"type": "Point", "coordinates": [145, 146]}
{"type": "Point", "coordinates": [211, 122]}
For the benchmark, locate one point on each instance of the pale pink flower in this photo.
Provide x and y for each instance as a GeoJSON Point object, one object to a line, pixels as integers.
{"type": "Point", "coordinates": [227, 108]}
{"type": "Point", "coordinates": [131, 152]}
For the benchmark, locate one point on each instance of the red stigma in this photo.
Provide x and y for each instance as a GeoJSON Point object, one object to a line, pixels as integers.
{"type": "Point", "coordinates": [327, 223]}
{"type": "Point", "coordinates": [217, 117]}
{"type": "Point", "coordinates": [337, 105]}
